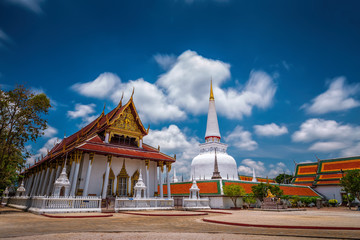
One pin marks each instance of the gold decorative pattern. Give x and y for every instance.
(127, 122)
(168, 166)
(147, 164)
(161, 165)
(91, 157)
(122, 174)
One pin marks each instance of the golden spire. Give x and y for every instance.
(211, 91)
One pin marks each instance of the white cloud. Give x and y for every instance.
(50, 131)
(44, 150)
(184, 88)
(269, 130)
(187, 83)
(329, 136)
(173, 141)
(165, 61)
(102, 87)
(84, 112)
(353, 150)
(327, 146)
(241, 139)
(150, 100)
(187, 86)
(151, 103)
(336, 98)
(32, 5)
(247, 165)
(320, 129)
(81, 110)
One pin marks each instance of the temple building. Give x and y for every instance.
(104, 159)
(324, 175)
(202, 166)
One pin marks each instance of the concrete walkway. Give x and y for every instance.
(23, 225)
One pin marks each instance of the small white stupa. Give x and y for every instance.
(205, 161)
(21, 190)
(194, 191)
(254, 177)
(62, 184)
(140, 188)
(174, 180)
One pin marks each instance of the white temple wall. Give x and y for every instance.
(96, 177)
(83, 171)
(223, 202)
(330, 192)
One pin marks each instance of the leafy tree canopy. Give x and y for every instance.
(284, 178)
(351, 182)
(260, 190)
(21, 120)
(234, 191)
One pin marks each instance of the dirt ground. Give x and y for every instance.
(16, 224)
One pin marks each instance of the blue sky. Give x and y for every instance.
(285, 73)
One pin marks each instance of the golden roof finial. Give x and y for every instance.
(103, 111)
(211, 91)
(133, 92)
(120, 103)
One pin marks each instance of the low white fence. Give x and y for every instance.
(146, 203)
(196, 203)
(18, 202)
(4, 200)
(42, 204)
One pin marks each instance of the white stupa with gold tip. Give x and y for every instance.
(202, 166)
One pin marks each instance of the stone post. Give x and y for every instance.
(88, 173)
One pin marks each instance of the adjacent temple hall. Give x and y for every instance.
(105, 158)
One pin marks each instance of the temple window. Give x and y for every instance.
(122, 140)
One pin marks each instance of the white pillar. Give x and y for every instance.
(106, 180)
(147, 166)
(161, 184)
(107, 135)
(51, 181)
(29, 183)
(75, 177)
(88, 173)
(168, 168)
(32, 192)
(58, 170)
(43, 187)
(72, 169)
(40, 181)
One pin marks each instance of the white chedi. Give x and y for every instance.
(202, 166)
(140, 188)
(62, 184)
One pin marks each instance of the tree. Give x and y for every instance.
(21, 120)
(249, 199)
(284, 178)
(260, 190)
(351, 183)
(234, 192)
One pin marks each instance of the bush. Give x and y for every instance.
(294, 200)
(333, 202)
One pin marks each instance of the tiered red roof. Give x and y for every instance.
(212, 187)
(324, 172)
(88, 139)
(259, 179)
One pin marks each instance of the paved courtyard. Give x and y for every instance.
(16, 224)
